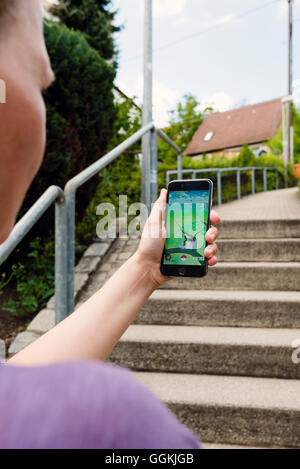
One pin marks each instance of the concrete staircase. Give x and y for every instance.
(219, 350)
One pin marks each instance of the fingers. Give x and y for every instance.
(214, 217)
(211, 251)
(213, 261)
(212, 235)
(163, 196)
(155, 225)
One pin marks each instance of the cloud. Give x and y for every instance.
(165, 8)
(219, 101)
(181, 20)
(283, 7)
(164, 98)
(218, 21)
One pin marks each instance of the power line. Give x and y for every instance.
(206, 30)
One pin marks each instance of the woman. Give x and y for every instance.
(56, 393)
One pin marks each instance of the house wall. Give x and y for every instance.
(233, 152)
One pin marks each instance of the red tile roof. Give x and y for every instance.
(250, 124)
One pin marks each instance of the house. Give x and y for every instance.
(224, 133)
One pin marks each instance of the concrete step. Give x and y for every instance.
(217, 446)
(232, 410)
(222, 308)
(209, 350)
(241, 250)
(244, 276)
(252, 229)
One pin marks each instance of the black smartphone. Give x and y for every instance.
(187, 221)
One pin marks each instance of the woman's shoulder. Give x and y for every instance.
(87, 404)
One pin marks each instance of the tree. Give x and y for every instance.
(122, 176)
(80, 112)
(246, 157)
(296, 122)
(275, 143)
(184, 122)
(94, 19)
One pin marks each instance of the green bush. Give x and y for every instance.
(34, 279)
(296, 124)
(229, 189)
(245, 158)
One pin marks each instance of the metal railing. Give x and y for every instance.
(193, 172)
(65, 202)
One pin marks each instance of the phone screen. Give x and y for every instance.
(186, 226)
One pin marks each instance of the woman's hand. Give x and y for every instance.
(154, 235)
(114, 307)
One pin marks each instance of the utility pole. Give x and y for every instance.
(290, 84)
(147, 105)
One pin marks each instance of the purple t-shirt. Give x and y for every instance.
(84, 405)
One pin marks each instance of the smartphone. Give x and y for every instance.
(187, 221)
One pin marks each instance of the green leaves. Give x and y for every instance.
(246, 157)
(184, 121)
(275, 144)
(80, 113)
(80, 125)
(94, 19)
(123, 176)
(34, 279)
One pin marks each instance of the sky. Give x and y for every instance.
(234, 57)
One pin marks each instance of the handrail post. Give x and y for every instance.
(147, 105)
(219, 187)
(154, 187)
(253, 181)
(238, 183)
(265, 180)
(179, 165)
(70, 207)
(61, 260)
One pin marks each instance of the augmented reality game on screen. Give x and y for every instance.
(186, 227)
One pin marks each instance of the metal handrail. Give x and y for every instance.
(65, 219)
(70, 192)
(51, 195)
(180, 172)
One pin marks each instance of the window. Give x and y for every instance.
(208, 136)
